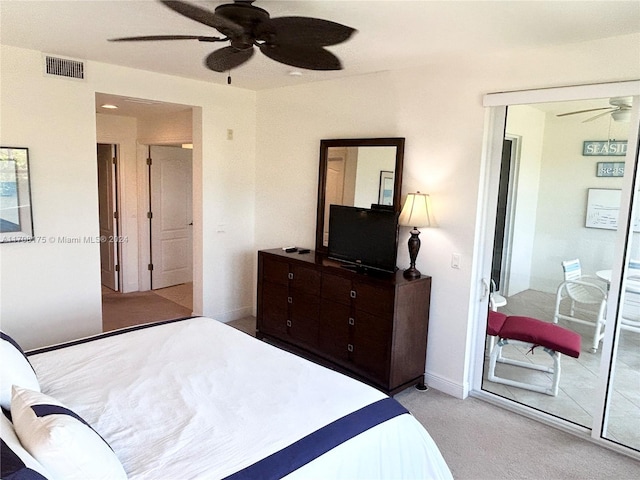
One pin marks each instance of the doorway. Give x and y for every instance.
(569, 204)
(108, 216)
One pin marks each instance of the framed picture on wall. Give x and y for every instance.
(16, 223)
(385, 191)
(603, 209)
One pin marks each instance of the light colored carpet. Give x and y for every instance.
(181, 294)
(125, 309)
(482, 441)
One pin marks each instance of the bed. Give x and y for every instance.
(195, 398)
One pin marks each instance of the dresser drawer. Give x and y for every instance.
(373, 299)
(336, 288)
(275, 271)
(305, 279)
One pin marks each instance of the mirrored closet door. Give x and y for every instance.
(566, 251)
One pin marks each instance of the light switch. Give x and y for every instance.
(455, 260)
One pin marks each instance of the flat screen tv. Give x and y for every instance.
(365, 238)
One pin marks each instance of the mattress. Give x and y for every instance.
(196, 398)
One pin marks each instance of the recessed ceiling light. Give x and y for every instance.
(109, 106)
(295, 73)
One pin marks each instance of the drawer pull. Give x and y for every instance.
(288, 323)
(352, 321)
(289, 300)
(290, 275)
(350, 347)
(352, 294)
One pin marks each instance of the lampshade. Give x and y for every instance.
(417, 211)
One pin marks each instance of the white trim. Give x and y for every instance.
(563, 94)
(509, 222)
(447, 386)
(495, 119)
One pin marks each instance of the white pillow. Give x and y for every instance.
(60, 440)
(16, 370)
(16, 461)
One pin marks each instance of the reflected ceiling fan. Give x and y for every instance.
(620, 110)
(295, 41)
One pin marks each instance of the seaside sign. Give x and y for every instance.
(604, 148)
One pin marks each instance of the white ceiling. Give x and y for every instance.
(391, 34)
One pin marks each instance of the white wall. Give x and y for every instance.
(371, 161)
(565, 177)
(50, 292)
(527, 125)
(438, 108)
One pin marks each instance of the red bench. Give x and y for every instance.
(531, 333)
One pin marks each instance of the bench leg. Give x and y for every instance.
(496, 356)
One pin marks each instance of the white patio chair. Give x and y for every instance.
(588, 300)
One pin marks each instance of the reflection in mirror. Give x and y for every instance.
(359, 173)
(558, 213)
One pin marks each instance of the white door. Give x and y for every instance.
(171, 216)
(107, 214)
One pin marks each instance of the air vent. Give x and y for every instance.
(64, 67)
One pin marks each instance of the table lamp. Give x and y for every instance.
(416, 212)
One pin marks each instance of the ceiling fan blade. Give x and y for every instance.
(599, 115)
(204, 16)
(166, 37)
(584, 111)
(303, 31)
(311, 58)
(227, 58)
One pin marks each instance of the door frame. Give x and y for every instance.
(495, 120)
(144, 223)
(115, 188)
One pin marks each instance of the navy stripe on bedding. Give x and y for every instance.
(12, 342)
(103, 335)
(44, 410)
(312, 446)
(13, 467)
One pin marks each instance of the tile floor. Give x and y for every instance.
(576, 399)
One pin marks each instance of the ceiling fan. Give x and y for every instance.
(295, 41)
(620, 110)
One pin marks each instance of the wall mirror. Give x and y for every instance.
(358, 172)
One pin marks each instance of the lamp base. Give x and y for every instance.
(411, 273)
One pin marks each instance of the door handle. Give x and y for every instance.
(486, 288)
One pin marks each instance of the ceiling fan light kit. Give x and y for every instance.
(619, 109)
(295, 41)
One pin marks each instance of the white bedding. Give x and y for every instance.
(199, 399)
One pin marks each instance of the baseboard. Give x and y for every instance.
(233, 314)
(447, 386)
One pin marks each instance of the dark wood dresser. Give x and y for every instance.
(370, 326)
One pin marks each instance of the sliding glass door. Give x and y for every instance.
(563, 246)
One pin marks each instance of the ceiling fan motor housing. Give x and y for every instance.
(246, 15)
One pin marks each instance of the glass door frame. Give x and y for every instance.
(495, 121)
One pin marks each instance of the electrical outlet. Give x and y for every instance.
(455, 260)
(229, 134)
